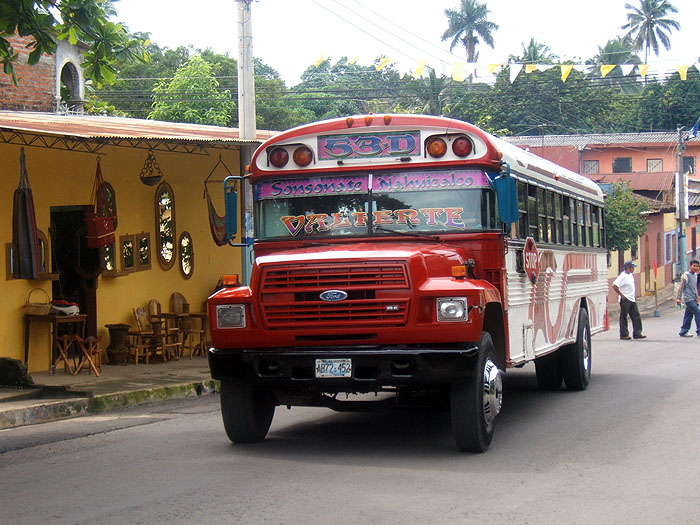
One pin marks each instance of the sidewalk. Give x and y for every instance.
(62, 395)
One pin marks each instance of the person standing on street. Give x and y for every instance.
(624, 287)
(688, 294)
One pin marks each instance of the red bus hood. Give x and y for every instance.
(436, 259)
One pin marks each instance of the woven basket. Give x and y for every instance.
(38, 308)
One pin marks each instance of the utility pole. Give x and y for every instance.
(682, 204)
(246, 125)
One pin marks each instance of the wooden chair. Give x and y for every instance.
(146, 340)
(191, 330)
(172, 344)
(90, 354)
(63, 345)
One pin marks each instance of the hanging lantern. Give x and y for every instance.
(151, 174)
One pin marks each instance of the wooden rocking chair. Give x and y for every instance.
(147, 340)
(172, 345)
(192, 325)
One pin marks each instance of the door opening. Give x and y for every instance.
(77, 265)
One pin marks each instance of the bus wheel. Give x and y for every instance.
(476, 400)
(576, 357)
(247, 412)
(548, 370)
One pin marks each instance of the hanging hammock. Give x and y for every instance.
(25, 241)
(217, 223)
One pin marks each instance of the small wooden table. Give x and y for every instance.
(75, 324)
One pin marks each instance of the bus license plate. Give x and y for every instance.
(333, 367)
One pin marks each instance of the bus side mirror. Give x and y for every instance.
(507, 196)
(231, 207)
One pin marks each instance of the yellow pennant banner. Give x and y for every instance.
(565, 71)
(383, 63)
(605, 69)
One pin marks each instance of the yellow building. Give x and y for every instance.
(162, 241)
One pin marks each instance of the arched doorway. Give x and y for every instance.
(70, 89)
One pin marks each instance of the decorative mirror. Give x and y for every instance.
(186, 255)
(107, 202)
(165, 225)
(109, 259)
(126, 243)
(143, 248)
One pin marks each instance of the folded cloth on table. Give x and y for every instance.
(61, 307)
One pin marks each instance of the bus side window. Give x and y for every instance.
(596, 226)
(567, 220)
(603, 240)
(577, 219)
(558, 218)
(551, 226)
(522, 208)
(589, 226)
(532, 212)
(541, 215)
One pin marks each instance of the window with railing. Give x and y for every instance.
(622, 165)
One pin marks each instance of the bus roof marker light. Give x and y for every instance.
(461, 146)
(302, 156)
(459, 272)
(230, 280)
(368, 120)
(387, 119)
(279, 157)
(436, 147)
(349, 122)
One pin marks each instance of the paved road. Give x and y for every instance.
(624, 451)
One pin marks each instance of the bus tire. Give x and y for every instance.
(576, 357)
(247, 412)
(548, 370)
(476, 400)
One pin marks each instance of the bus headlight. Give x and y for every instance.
(230, 316)
(452, 309)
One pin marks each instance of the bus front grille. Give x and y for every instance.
(291, 296)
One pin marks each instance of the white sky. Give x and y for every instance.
(290, 35)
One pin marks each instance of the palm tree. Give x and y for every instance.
(534, 53)
(616, 51)
(466, 25)
(430, 94)
(648, 25)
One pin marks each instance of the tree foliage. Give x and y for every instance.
(46, 21)
(192, 96)
(624, 215)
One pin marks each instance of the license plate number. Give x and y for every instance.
(333, 367)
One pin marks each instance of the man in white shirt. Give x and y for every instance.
(624, 287)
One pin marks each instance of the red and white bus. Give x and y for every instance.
(414, 256)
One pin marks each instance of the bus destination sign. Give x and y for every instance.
(369, 145)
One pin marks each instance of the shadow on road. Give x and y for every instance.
(536, 427)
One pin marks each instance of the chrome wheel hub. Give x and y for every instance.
(586, 351)
(493, 391)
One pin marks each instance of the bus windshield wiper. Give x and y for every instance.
(409, 234)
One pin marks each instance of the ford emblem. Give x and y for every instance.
(333, 296)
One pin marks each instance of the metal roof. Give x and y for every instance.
(116, 129)
(599, 139)
(660, 181)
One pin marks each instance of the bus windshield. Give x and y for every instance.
(429, 202)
